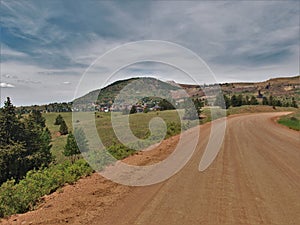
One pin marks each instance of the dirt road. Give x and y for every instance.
(255, 179)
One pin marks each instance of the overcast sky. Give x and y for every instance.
(47, 45)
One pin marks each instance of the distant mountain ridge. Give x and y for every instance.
(274, 86)
(284, 87)
(107, 94)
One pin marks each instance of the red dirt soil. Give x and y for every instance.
(255, 179)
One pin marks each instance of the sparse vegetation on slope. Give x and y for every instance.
(23, 196)
(292, 121)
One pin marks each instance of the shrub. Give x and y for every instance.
(23, 196)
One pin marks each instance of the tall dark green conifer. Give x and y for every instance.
(24, 143)
(63, 129)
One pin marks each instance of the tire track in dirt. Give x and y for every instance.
(253, 180)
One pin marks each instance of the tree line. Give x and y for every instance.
(24, 143)
(225, 102)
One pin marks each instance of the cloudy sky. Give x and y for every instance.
(47, 45)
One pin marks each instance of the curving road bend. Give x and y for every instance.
(255, 179)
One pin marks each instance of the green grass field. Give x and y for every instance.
(139, 124)
(292, 121)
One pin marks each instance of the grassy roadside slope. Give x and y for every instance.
(15, 198)
(292, 121)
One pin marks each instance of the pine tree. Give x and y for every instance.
(239, 100)
(271, 101)
(24, 143)
(222, 101)
(133, 110)
(234, 101)
(37, 117)
(294, 103)
(253, 101)
(71, 148)
(12, 162)
(63, 129)
(9, 124)
(58, 120)
(265, 101)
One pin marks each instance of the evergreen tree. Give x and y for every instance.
(253, 101)
(234, 101)
(12, 161)
(133, 110)
(271, 101)
(294, 103)
(37, 117)
(265, 101)
(278, 103)
(63, 129)
(24, 143)
(165, 105)
(239, 100)
(198, 105)
(9, 124)
(58, 120)
(227, 101)
(71, 148)
(247, 100)
(222, 101)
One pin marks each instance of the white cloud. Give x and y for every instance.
(6, 85)
(47, 45)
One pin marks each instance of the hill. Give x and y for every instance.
(282, 88)
(107, 95)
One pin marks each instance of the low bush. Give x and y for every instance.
(23, 196)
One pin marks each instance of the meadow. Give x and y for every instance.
(292, 120)
(139, 124)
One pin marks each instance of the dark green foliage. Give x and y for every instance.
(198, 105)
(236, 100)
(233, 101)
(37, 118)
(71, 147)
(76, 144)
(173, 128)
(12, 161)
(24, 143)
(165, 105)
(23, 196)
(271, 101)
(63, 129)
(58, 120)
(133, 110)
(239, 100)
(246, 101)
(278, 103)
(222, 101)
(119, 151)
(265, 101)
(253, 101)
(294, 103)
(10, 126)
